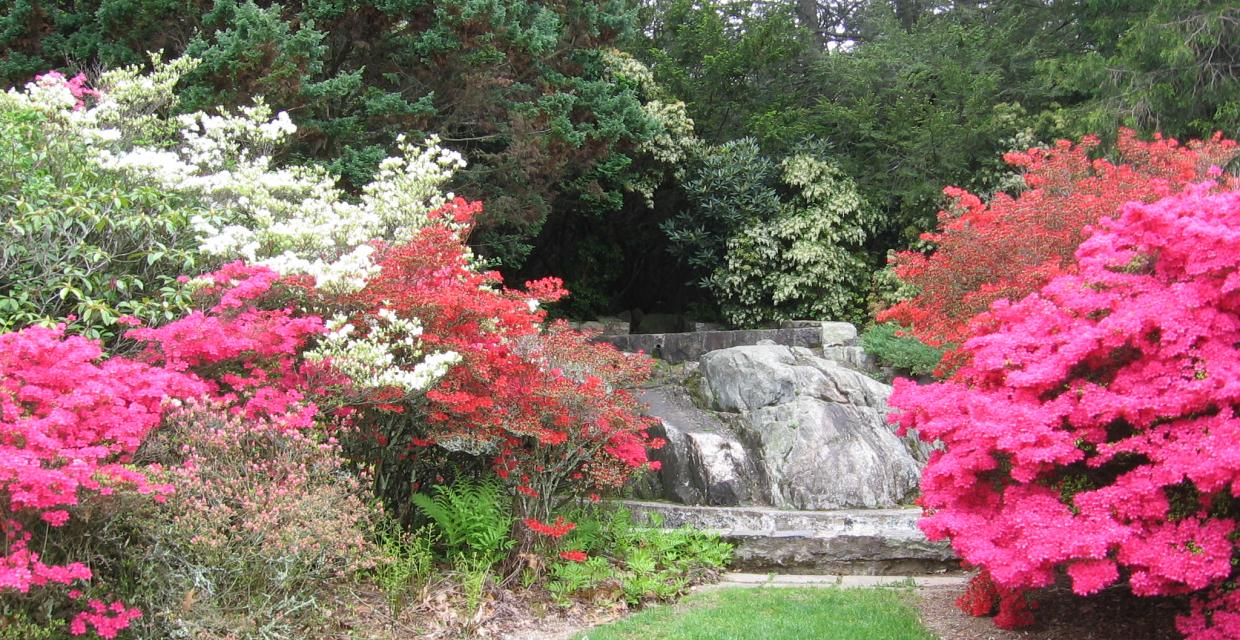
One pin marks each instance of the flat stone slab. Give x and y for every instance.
(681, 347)
(873, 542)
(756, 580)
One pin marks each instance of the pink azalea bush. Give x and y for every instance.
(69, 422)
(1094, 429)
(246, 347)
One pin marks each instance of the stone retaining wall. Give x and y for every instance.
(681, 347)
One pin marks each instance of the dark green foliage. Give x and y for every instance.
(927, 94)
(732, 65)
(519, 87)
(905, 353)
(1155, 65)
(731, 189)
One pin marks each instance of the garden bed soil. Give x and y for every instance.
(1114, 614)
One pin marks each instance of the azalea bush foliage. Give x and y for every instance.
(260, 519)
(1092, 429)
(69, 425)
(545, 407)
(326, 316)
(1010, 246)
(74, 419)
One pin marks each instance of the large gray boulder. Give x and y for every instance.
(830, 455)
(704, 461)
(742, 379)
(783, 427)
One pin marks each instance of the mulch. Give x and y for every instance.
(1114, 614)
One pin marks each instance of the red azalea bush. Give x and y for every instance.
(1009, 247)
(1093, 429)
(547, 407)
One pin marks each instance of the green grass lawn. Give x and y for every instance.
(774, 614)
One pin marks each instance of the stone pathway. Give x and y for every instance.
(759, 580)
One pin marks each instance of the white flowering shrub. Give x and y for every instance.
(375, 360)
(293, 219)
(78, 242)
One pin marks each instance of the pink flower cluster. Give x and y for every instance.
(68, 423)
(1095, 428)
(76, 85)
(71, 419)
(107, 620)
(248, 355)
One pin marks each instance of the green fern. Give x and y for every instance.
(472, 519)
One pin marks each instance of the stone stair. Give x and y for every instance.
(877, 542)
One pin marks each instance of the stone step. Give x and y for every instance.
(846, 541)
(759, 580)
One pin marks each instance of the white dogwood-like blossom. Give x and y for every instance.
(374, 361)
(291, 219)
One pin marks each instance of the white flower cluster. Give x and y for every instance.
(48, 94)
(291, 219)
(381, 359)
(245, 206)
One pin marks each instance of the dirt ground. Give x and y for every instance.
(1113, 614)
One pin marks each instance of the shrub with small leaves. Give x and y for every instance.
(1093, 429)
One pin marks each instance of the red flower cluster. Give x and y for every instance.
(982, 597)
(1094, 427)
(556, 529)
(550, 402)
(1009, 247)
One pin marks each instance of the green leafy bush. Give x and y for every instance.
(775, 240)
(806, 261)
(631, 563)
(78, 240)
(472, 518)
(904, 352)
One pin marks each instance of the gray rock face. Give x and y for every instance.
(703, 462)
(838, 334)
(783, 428)
(826, 455)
